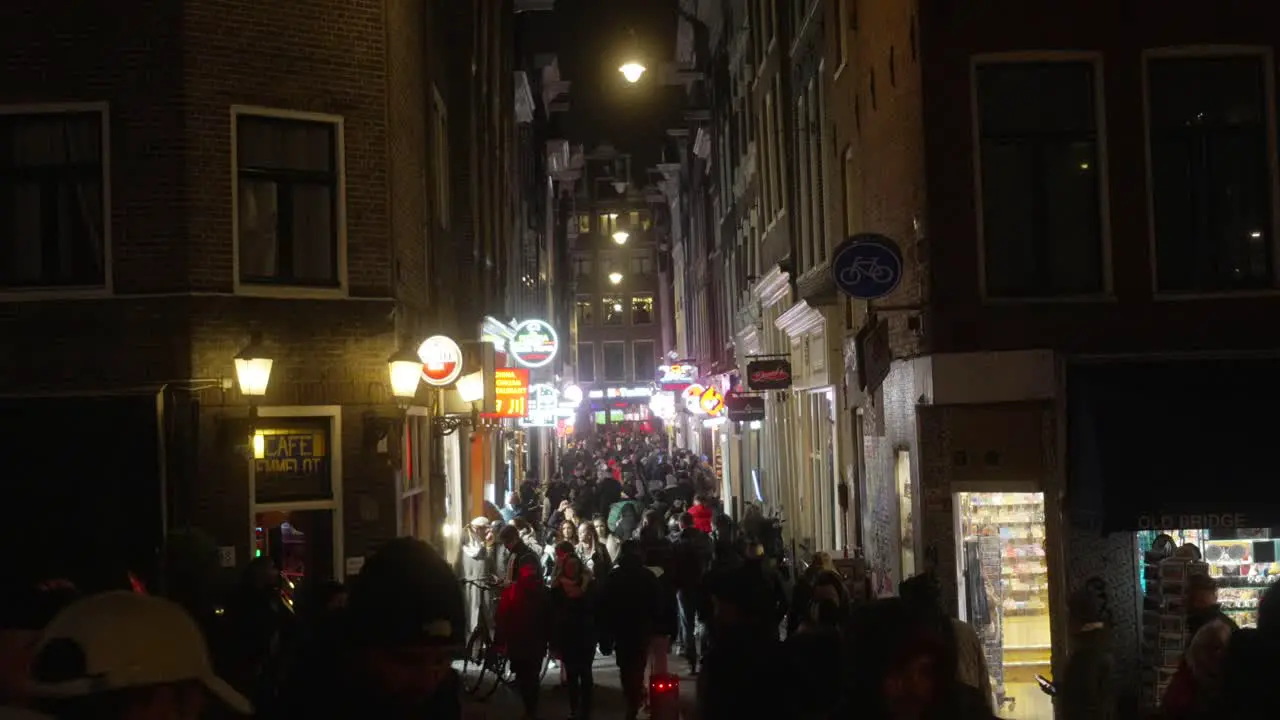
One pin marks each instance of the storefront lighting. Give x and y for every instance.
(615, 278)
(449, 530)
(259, 446)
(632, 72)
(405, 370)
(621, 237)
(253, 368)
(471, 387)
(572, 395)
(756, 425)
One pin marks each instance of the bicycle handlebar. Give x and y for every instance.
(482, 584)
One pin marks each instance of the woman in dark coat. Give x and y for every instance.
(573, 632)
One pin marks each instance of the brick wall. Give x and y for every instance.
(889, 424)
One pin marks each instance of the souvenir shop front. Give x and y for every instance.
(1177, 462)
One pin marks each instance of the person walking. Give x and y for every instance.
(521, 618)
(573, 633)
(629, 608)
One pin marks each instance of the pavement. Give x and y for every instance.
(608, 702)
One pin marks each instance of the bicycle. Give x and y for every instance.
(482, 654)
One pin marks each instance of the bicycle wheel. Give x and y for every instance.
(498, 667)
(474, 662)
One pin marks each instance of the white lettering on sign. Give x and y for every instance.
(1192, 521)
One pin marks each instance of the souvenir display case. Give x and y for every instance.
(1004, 593)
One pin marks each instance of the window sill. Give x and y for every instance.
(1217, 295)
(291, 292)
(38, 294)
(1051, 300)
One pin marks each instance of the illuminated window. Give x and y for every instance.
(584, 223)
(586, 311)
(614, 310)
(582, 266)
(615, 360)
(642, 310)
(608, 223)
(634, 218)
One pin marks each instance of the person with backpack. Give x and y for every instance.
(694, 552)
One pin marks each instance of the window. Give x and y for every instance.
(614, 312)
(52, 208)
(287, 197)
(767, 159)
(615, 360)
(646, 220)
(1210, 174)
(608, 223)
(582, 266)
(584, 223)
(779, 164)
(803, 158)
(644, 364)
(642, 310)
(820, 201)
(586, 362)
(586, 311)
(641, 265)
(415, 467)
(1040, 180)
(440, 144)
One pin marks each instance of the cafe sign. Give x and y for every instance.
(533, 343)
(441, 360)
(769, 374)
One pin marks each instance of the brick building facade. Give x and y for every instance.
(311, 173)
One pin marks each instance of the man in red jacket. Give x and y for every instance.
(701, 514)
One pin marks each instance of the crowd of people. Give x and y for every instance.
(626, 553)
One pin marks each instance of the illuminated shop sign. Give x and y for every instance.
(621, 393)
(677, 376)
(441, 360)
(531, 343)
(702, 400)
(510, 393)
(544, 406)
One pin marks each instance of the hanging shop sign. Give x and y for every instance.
(663, 405)
(769, 374)
(533, 343)
(510, 393)
(441, 360)
(571, 397)
(745, 408)
(711, 402)
(544, 406)
(677, 376)
(867, 266)
(875, 357)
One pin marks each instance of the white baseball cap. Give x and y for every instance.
(119, 640)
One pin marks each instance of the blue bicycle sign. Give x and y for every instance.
(867, 266)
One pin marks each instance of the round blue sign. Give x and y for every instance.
(867, 266)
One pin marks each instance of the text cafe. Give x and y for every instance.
(1195, 490)
(292, 475)
(619, 404)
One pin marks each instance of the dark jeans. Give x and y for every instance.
(689, 624)
(577, 670)
(528, 682)
(631, 664)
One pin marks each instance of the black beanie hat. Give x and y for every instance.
(405, 595)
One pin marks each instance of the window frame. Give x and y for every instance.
(1266, 56)
(442, 198)
(653, 360)
(590, 347)
(604, 369)
(643, 259)
(1094, 58)
(625, 313)
(578, 303)
(341, 289)
(79, 292)
(631, 308)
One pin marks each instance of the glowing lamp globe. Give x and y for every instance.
(253, 369)
(632, 71)
(405, 370)
(621, 236)
(615, 277)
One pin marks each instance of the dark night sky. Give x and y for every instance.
(594, 38)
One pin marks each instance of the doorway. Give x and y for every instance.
(1003, 591)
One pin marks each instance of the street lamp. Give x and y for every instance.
(632, 72)
(621, 236)
(615, 277)
(253, 369)
(405, 370)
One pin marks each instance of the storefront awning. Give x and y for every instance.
(1185, 444)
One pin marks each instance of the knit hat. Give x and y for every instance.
(406, 595)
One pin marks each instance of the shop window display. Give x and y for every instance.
(1004, 594)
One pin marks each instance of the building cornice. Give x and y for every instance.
(801, 319)
(771, 288)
